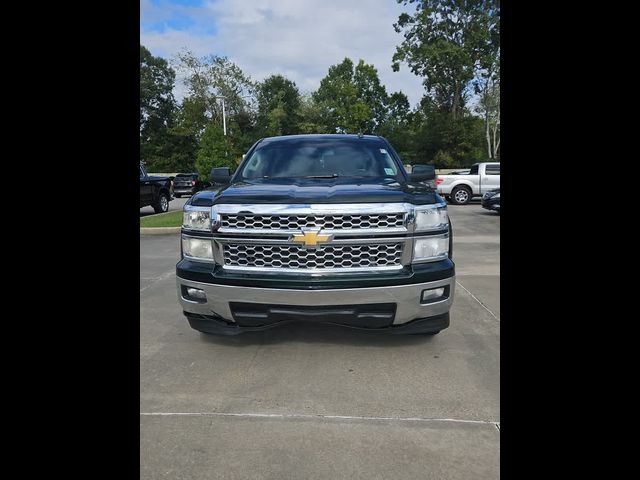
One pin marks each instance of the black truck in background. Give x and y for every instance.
(155, 191)
(188, 184)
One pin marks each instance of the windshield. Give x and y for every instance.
(326, 158)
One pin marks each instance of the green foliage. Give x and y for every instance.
(449, 43)
(461, 138)
(215, 150)
(351, 100)
(443, 159)
(278, 105)
(157, 110)
(170, 219)
(211, 77)
(156, 92)
(457, 57)
(397, 127)
(311, 118)
(192, 117)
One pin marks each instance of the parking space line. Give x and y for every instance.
(155, 280)
(477, 300)
(309, 416)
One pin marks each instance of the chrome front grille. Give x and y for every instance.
(296, 222)
(366, 256)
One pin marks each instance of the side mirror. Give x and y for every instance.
(221, 175)
(423, 173)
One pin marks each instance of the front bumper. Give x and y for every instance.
(491, 204)
(216, 311)
(184, 190)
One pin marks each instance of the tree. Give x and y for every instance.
(371, 92)
(311, 116)
(397, 125)
(156, 91)
(449, 43)
(215, 150)
(278, 105)
(207, 79)
(352, 100)
(213, 76)
(489, 107)
(447, 142)
(157, 109)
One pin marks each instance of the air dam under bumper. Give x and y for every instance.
(216, 314)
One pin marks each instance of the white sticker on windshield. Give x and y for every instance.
(388, 171)
(383, 151)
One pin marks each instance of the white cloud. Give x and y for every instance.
(298, 39)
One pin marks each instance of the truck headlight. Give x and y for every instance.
(429, 249)
(198, 248)
(197, 219)
(431, 217)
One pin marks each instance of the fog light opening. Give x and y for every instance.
(434, 294)
(194, 294)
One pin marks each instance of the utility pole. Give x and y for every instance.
(224, 115)
(224, 119)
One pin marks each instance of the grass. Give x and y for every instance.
(171, 219)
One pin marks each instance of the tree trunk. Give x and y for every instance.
(488, 132)
(456, 102)
(486, 120)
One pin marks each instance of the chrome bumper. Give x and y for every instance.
(407, 298)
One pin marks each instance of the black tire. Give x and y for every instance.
(177, 195)
(162, 206)
(461, 195)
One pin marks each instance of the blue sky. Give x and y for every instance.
(296, 38)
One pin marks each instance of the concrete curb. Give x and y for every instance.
(159, 230)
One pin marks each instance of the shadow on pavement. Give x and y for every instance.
(318, 333)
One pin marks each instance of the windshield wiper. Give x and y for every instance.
(333, 175)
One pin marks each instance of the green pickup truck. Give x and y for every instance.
(317, 228)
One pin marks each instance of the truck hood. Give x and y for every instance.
(312, 190)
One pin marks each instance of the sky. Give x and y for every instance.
(299, 39)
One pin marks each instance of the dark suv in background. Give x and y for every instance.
(188, 184)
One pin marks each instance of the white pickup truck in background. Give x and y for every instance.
(460, 189)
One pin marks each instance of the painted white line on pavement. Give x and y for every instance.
(304, 415)
(476, 299)
(157, 279)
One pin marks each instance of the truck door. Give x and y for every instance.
(146, 192)
(491, 177)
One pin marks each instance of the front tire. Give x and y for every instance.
(460, 196)
(163, 204)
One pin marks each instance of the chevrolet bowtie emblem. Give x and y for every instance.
(310, 238)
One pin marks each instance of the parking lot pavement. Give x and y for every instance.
(313, 401)
(175, 204)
